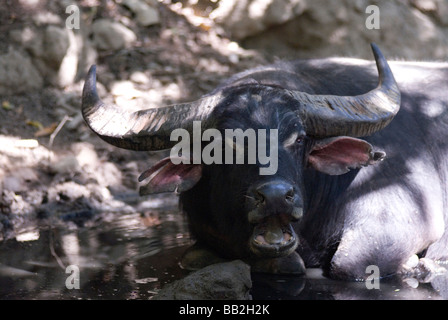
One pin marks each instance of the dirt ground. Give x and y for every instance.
(53, 169)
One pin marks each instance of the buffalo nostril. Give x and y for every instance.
(260, 197)
(275, 193)
(289, 197)
(274, 198)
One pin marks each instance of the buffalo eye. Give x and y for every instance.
(295, 139)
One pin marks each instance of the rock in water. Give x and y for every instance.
(220, 281)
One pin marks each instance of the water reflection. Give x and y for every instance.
(271, 287)
(131, 256)
(111, 257)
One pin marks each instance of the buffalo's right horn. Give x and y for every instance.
(148, 129)
(356, 116)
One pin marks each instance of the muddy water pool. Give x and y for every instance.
(130, 256)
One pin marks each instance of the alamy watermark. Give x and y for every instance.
(373, 20)
(373, 280)
(72, 281)
(233, 143)
(73, 20)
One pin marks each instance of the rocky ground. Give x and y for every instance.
(52, 167)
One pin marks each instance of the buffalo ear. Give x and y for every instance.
(165, 176)
(338, 155)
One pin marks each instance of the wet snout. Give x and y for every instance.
(272, 207)
(274, 198)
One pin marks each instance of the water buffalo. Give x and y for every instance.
(335, 199)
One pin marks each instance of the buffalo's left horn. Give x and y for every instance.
(356, 116)
(148, 129)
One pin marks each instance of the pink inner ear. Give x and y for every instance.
(170, 177)
(147, 173)
(340, 154)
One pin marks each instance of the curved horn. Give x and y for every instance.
(356, 116)
(148, 129)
